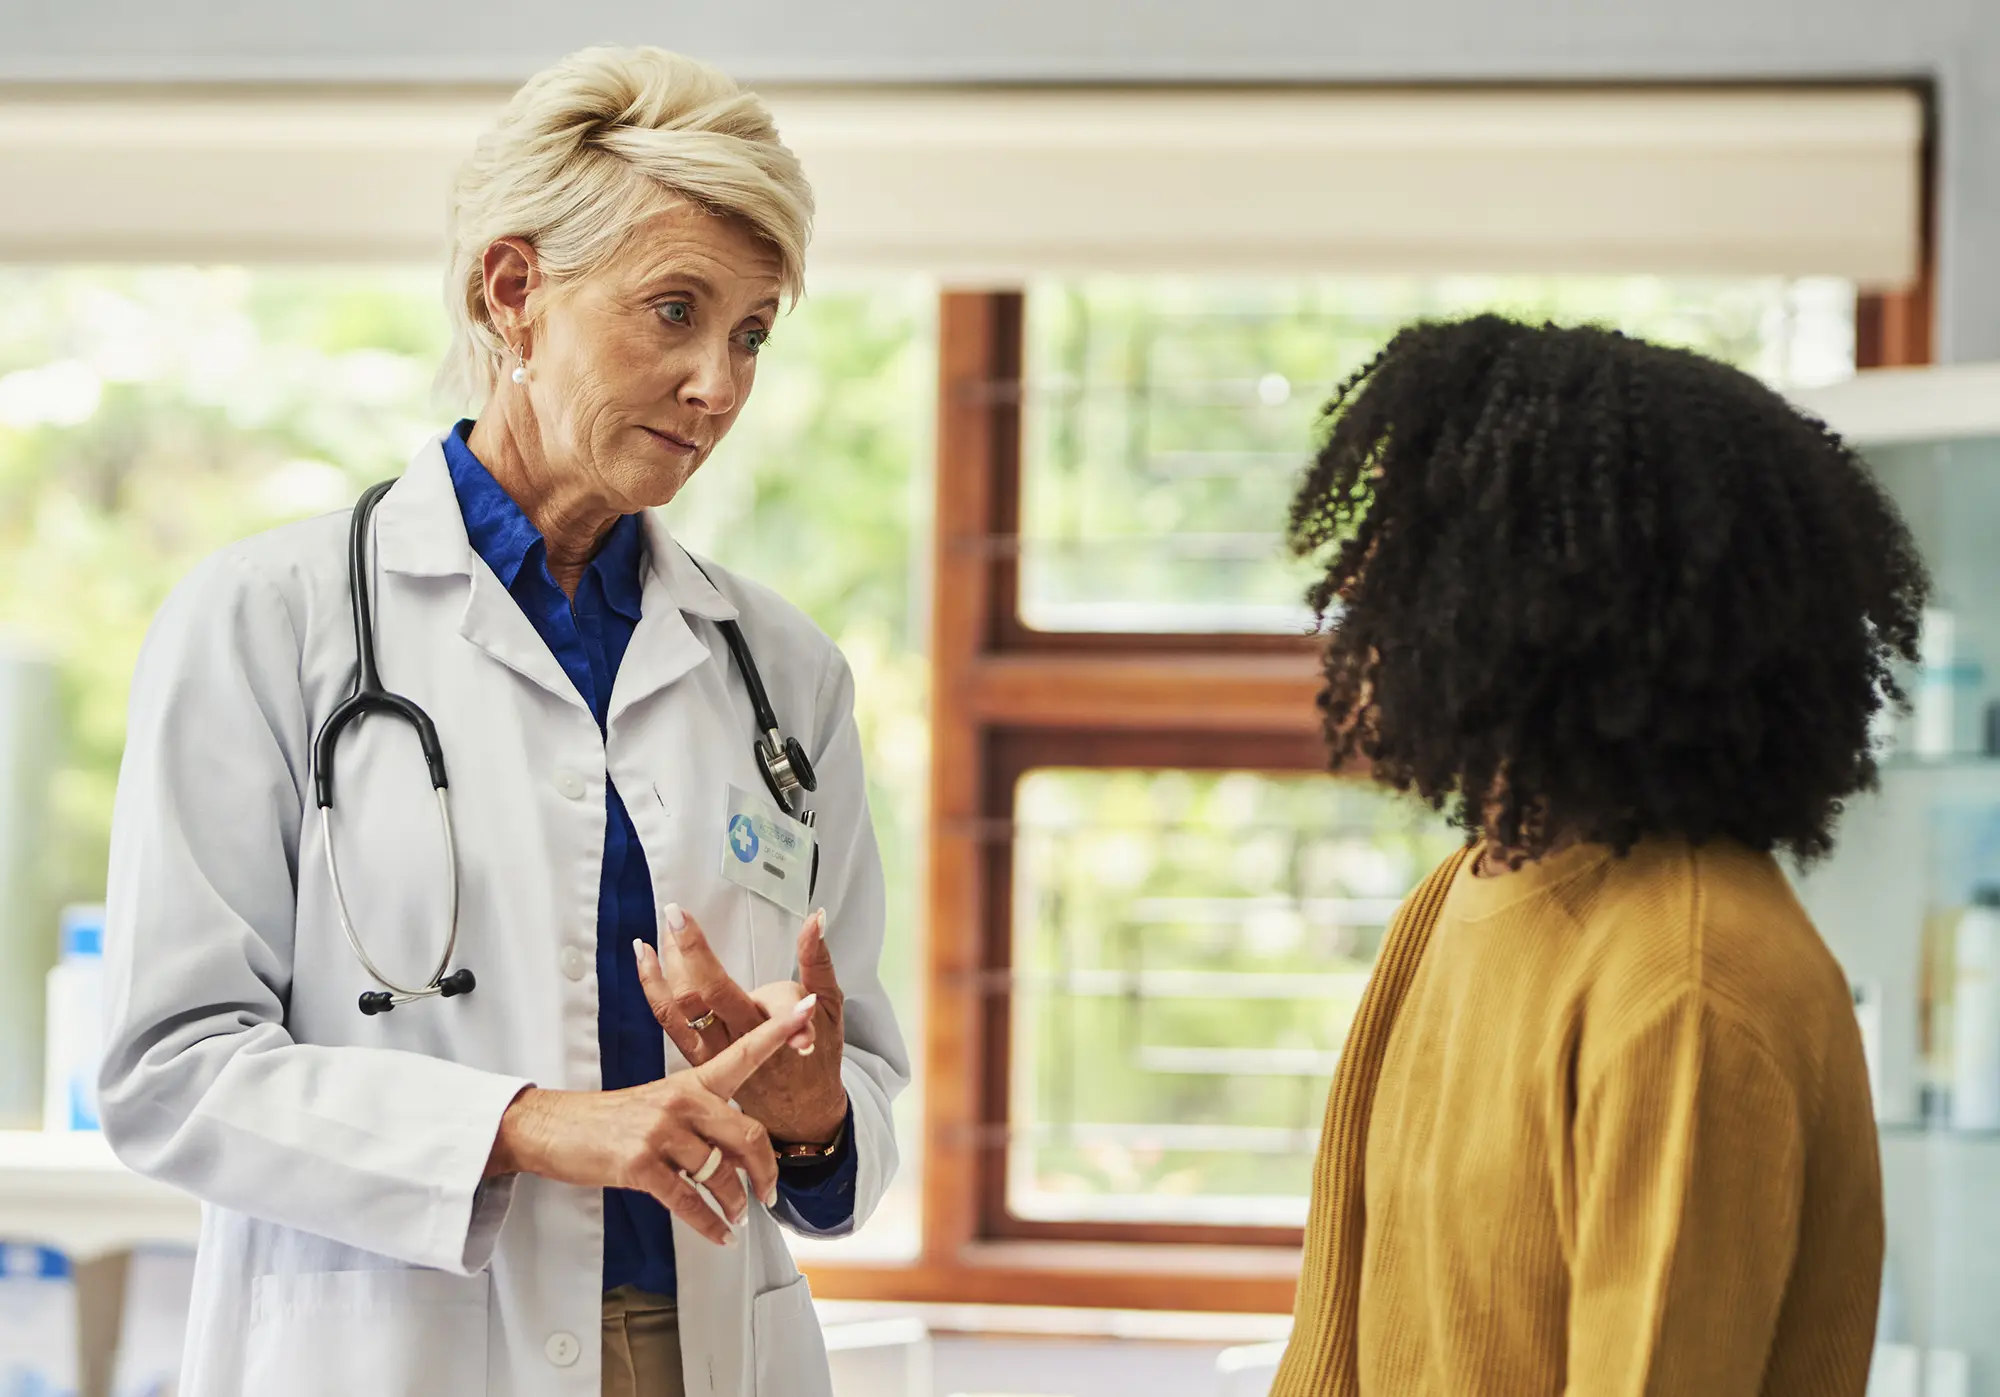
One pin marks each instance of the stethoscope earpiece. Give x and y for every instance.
(460, 981)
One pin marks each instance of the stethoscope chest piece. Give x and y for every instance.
(787, 771)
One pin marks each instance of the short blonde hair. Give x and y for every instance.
(585, 151)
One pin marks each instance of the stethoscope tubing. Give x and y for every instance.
(370, 697)
(786, 770)
(399, 994)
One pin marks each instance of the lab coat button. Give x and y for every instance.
(562, 1349)
(570, 784)
(574, 963)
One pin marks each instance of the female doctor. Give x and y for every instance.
(396, 1017)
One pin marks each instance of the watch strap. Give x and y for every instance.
(811, 1154)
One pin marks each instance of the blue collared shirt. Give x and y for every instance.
(588, 635)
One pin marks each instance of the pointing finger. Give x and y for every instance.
(777, 999)
(726, 1072)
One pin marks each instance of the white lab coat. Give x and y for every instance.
(348, 1244)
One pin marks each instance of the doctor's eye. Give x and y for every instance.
(676, 312)
(754, 339)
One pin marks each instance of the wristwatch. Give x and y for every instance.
(810, 1154)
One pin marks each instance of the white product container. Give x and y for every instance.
(38, 1323)
(75, 1023)
(1945, 718)
(1947, 1373)
(1975, 1056)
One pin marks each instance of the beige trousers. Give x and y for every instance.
(642, 1345)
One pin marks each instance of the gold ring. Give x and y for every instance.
(707, 1170)
(704, 1023)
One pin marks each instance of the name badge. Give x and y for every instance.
(767, 851)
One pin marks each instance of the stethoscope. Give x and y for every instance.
(787, 772)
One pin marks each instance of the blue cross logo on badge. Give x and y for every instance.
(742, 839)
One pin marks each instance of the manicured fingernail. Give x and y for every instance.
(729, 1239)
(672, 915)
(807, 1050)
(804, 1008)
(639, 949)
(771, 1196)
(819, 922)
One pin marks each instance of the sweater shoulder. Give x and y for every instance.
(1716, 925)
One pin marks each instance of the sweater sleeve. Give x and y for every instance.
(1688, 1176)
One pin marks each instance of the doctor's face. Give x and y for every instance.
(638, 370)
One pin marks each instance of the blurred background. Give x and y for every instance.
(1084, 279)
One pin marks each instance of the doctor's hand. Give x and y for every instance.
(657, 1137)
(797, 1095)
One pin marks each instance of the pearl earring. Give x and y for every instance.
(520, 374)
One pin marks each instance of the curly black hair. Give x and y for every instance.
(1583, 587)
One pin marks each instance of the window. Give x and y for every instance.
(1165, 419)
(1189, 945)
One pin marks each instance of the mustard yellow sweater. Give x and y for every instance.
(1603, 1132)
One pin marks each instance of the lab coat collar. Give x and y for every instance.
(419, 532)
(686, 587)
(664, 646)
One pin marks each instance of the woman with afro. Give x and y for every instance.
(1602, 1124)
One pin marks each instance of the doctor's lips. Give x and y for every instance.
(673, 441)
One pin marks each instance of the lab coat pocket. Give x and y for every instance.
(389, 1333)
(791, 1352)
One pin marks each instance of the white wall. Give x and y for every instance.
(1955, 43)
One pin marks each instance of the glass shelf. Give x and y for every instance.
(1944, 1134)
(1956, 761)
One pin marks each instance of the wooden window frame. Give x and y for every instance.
(1898, 329)
(1006, 698)
(1000, 695)
(1010, 754)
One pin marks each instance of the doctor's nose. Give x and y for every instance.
(708, 384)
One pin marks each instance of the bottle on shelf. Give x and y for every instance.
(1937, 973)
(38, 1322)
(1946, 720)
(1975, 1049)
(75, 1023)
